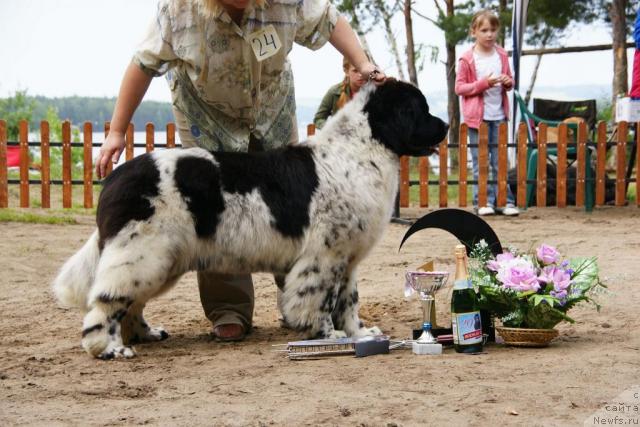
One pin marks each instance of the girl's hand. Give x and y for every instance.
(109, 152)
(370, 72)
(494, 80)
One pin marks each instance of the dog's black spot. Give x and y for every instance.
(399, 118)
(198, 181)
(136, 283)
(109, 299)
(286, 178)
(112, 329)
(107, 356)
(125, 196)
(164, 335)
(133, 236)
(354, 297)
(374, 165)
(118, 315)
(90, 329)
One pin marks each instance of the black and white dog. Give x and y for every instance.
(310, 212)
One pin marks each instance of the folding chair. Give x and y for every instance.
(553, 112)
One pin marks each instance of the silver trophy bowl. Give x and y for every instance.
(426, 283)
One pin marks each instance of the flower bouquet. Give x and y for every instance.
(532, 290)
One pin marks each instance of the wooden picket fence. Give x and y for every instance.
(443, 182)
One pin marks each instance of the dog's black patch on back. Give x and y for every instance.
(286, 178)
(125, 196)
(198, 180)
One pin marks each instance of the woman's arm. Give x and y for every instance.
(344, 39)
(132, 89)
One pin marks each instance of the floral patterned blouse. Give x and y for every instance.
(215, 78)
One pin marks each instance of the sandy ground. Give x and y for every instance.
(189, 379)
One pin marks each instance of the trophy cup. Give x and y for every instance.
(426, 283)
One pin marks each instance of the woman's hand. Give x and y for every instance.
(370, 72)
(109, 152)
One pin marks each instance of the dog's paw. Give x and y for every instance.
(337, 334)
(117, 353)
(367, 332)
(150, 335)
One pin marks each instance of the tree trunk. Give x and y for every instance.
(534, 76)
(503, 28)
(453, 103)
(411, 52)
(618, 24)
(391, 39)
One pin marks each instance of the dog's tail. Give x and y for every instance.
(71, 286)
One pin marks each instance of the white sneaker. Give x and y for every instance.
(510, 210)
(486, 210)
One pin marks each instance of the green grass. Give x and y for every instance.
(14, 215)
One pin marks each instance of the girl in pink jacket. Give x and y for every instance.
(483, 79)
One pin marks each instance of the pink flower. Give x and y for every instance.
(503, 258)
(518, 274)
(560, 278)
(547, 254)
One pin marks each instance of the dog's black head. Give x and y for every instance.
(399, 118)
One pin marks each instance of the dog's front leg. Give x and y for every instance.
(136, 330)
(345, 314)
(309, 298)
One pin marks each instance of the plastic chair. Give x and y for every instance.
(532, 120)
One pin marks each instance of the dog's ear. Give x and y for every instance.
(399, 118)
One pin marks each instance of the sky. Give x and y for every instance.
(82, 47)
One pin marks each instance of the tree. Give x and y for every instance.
(15, 108)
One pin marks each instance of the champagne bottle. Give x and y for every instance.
(465, 315)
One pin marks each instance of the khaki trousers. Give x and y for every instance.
(225, 298)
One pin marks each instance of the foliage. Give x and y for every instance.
(16, 108)
(532, 290)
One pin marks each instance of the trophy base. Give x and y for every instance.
(419, 348)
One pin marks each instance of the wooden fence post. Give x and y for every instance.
(66, 164)
(638, 164)
(621, 155)
(541, 185)
(522, 166)
(150, 143)
(404, 181)
(462, 173)
(171, 135)
(600, 165)
(423, 165)
(45, 172)
(444, 172)
(501, 198)
(24, 164)
(88, 165)
(561, 176)
(581, 163)
(4, 179)
(483, 164)
(128, 143)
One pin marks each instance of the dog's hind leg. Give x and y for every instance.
(345, 314)
(310, 295)
(127, 277)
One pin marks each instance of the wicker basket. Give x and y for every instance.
(522, 337)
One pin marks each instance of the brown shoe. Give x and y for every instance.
(229, 332)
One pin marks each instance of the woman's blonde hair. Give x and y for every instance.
(212, 7)
(484, 15)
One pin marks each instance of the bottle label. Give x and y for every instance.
(462, 284)
(467, 328)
